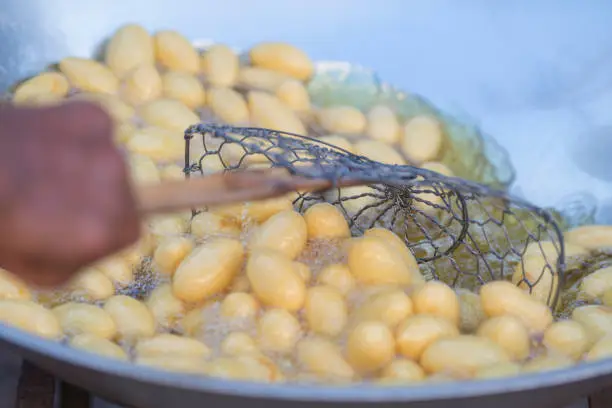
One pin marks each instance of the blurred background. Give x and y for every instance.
(536, 75)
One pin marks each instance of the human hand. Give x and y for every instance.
(65, 198)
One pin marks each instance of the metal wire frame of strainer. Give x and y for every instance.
(460, 232)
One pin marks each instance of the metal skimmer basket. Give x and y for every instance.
(460, 232)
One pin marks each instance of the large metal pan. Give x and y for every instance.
(34, 33)
(131, 385)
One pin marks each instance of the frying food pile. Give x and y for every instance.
(272, 292)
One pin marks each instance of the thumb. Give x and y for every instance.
(84, 119)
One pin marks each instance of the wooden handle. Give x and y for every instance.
(227, 188)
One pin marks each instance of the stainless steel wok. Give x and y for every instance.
(536, 75)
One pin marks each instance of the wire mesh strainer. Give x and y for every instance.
(460, 232)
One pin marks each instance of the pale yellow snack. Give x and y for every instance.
(260, 79)
(539, 268)
(437, 299)
(170, 252)
(165, 306)
(179, 364)
(378, 151)
(143, 170)
(430, 197)
(42, 100)
(130, 47)
(256, 211)
(124, 132)
(339, 141)
(169, 114)
(303, 270)
(602, 349)
(322, 357)
(541, 273)
(403, 370)
(500, 370)
(192, 323)
(422, 139)
(382, 125)
(228, 105)
(595, 284)
(325, 310)
(354, 199)
(294, 94)
(220, 65)
(207, 224)
(278, 331)
(510, 333)
(175, 52)
(416, 333)
(208, 270)
(239, 305)
(550, 250)
(144, 247)
(285, 232)
(471, 313)
(388, 306)
(132, 318)
(590, 237)
(142, 84)
(339, 276)
(12, 287)
(268, 111)
(427, 198)
(172, 172)
(370, 346)
(239, 343)
(166, 344)
(324, 221)
(117, 269)
(184, 87)
(161, 226)
(97, 345)
(46, 83)
(606, 298)
(372, 261)
(78, 318)
(547, 362)
(275, 281)
(440, 378)
(89, 75)
(462, 355)
(114, 106)
(500, 298)
(400, 247)
(282, 57)
(30, 317)
(596, 320)
(342, 120)
(232, 154)
(369, 291)
(249, 368)
(438, 167)
(566, 337)
(92, 284)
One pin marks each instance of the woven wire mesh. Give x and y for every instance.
(460, 232)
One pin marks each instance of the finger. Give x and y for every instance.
(85, 120)
(112, 193)
(48, 278)
(39, 273)
(74, 120)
